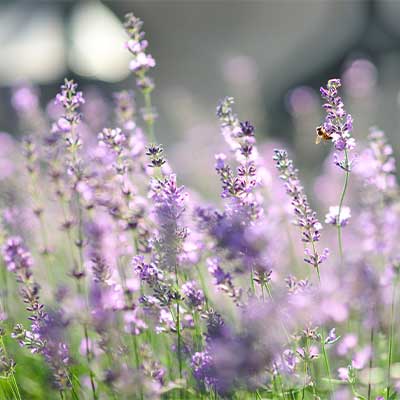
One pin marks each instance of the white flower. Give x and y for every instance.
(332, 217)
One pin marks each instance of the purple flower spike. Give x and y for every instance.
(306, 218)
(338, 123)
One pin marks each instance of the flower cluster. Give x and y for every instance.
(40, 339)
(125, 109)
(137, 46)
(379, 189)
(338, 123)
(306, 218)
(150, 293)
(70, 99)
(113, 139)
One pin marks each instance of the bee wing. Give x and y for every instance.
(318, 139)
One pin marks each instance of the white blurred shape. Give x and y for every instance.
(35, 50)
(98, 43)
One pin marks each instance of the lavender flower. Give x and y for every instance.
(70, 99)
(338, 123)
(125, 110)
(42, 338)
(169, 206)
(137, 45)
(203, 368)
(240, 186)
(306, 218)
(379, 216)
(332, 217)
(140, 65)
(223, 280)
(113, 139)
(144, 257)
(16, 257)
(194, 296)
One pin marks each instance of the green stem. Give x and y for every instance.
(390, 351)
(346, 182)
(178, 329)
(370, 364)
(326, 360)
(13, 384)
(252, 286)
(5, 289)
(12, 389)
(149, 119)
(203, 284)
(324, 352)
(178, 332)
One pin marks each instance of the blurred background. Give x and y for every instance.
(272, 56)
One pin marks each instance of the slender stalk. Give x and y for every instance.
(149, 118)
(38, 211)
(73, 392)
(324, 352)
(178, 332)
(252, 286)
(203, 284)
(11, 380)
(4, 290)
(12, 389)
(391, 332)
(14, 382)
(83, 292)
(345, 185)
(326, 360)
(371, 341)
(305, 379)
(178, 329)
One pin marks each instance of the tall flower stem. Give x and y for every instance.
(371, 341)
(149, 117)
(4, 291)
(326, 360)
(178, 326)
(391, 332)
(11, 380)
(324, 352)
(82, 291)
(342, 196)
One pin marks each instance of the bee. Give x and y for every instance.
(322, 134)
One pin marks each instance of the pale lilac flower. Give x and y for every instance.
(332, 337)
(348, 342)
(343, 374)
(141, 61)
(332, 217)
(112, 139)
(361, 358)
(133, 324)
(290, 361)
